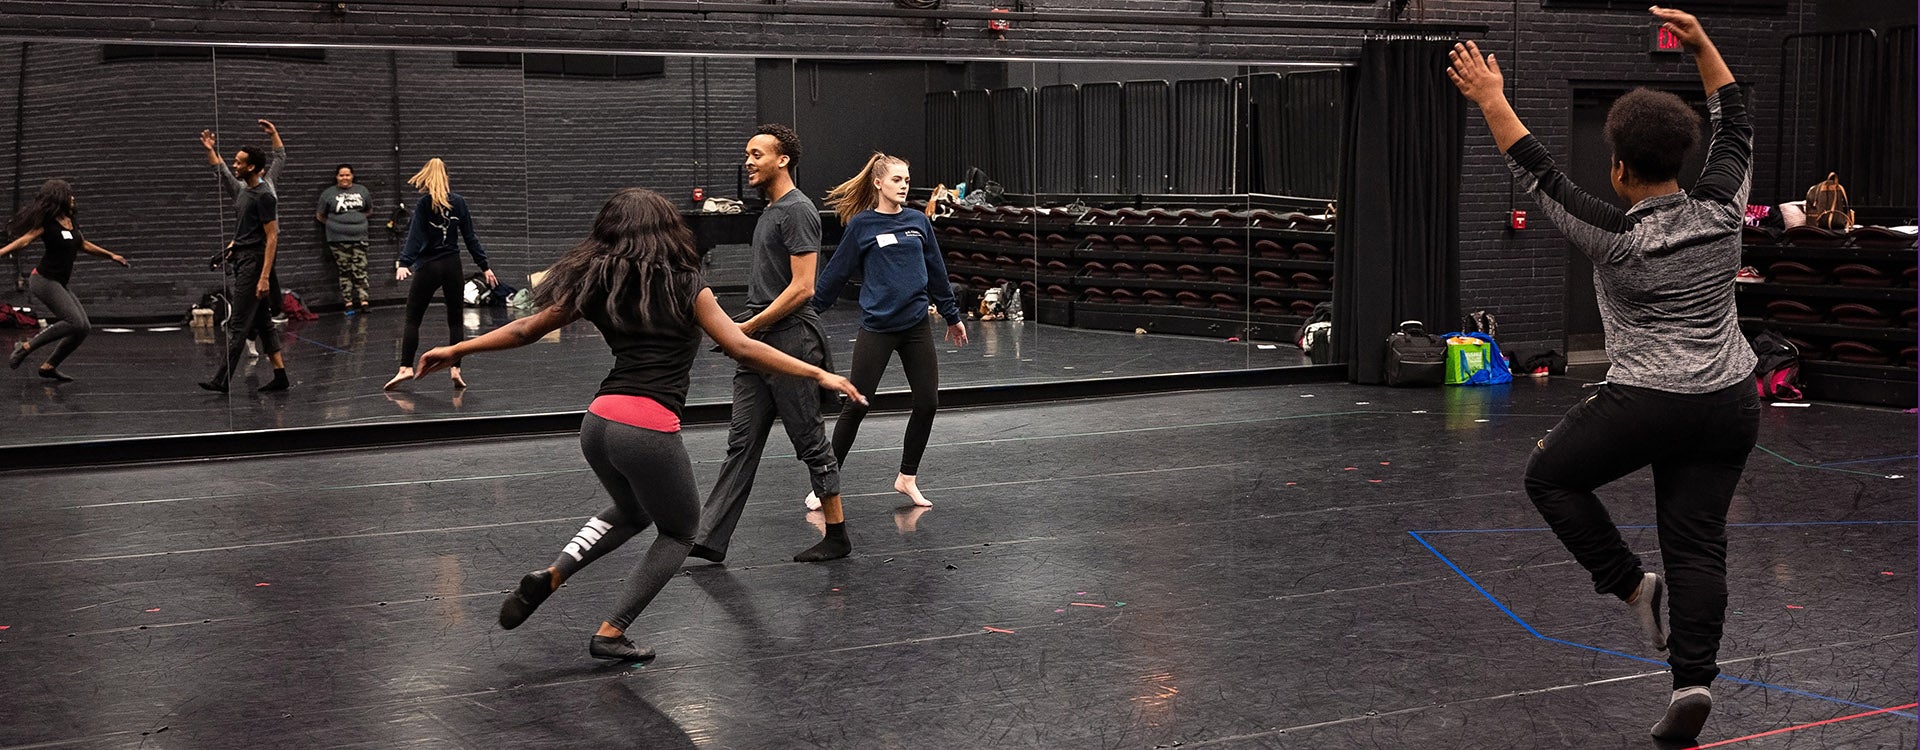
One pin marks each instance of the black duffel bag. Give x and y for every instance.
(1415, 357)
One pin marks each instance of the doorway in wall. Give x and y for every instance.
(1589, 168)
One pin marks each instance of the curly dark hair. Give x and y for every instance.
(789, 141)
(1652, 132)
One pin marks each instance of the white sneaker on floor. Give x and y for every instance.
(812, 501)
(1686, 714)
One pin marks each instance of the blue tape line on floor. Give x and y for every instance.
(323, 346)
(1536, 633)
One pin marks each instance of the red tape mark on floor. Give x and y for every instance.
(1799, 727)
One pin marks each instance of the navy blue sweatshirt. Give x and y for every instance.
(435, 234)
(902, 268)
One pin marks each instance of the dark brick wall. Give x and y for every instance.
(1547, 53)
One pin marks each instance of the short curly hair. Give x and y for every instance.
(1652, 132)
(789, 141)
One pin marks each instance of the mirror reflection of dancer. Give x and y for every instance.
(902, 268)
(251, 284)
(786, 249)
(50, 218)
(344, 208)
(636, 278)
(431, 258)
(1680, 395)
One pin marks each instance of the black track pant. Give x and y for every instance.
(443, 275)
(651, 481)
(1697, 445)
(250, 315)
(871, 352)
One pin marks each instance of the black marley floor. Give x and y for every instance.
(141, 381)
(1325, 566)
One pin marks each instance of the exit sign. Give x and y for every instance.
(1664, 41)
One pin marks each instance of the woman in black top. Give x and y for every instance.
(431, 257)
(50, 218)
(636, 278)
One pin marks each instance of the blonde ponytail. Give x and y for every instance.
(859, 194)
(432, 180)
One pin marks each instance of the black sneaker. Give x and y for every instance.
(526, 597)
(54, 374)
(215, 386)
(617, 648)
(1686, 714)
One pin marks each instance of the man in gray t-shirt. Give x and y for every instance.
(786, 248)
(344, 207)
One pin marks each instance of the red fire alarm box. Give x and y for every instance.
(1517, 219)
(999, 24)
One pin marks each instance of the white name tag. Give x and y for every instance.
(66, 234)
(887, 239)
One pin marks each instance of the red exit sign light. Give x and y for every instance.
(1665, 42)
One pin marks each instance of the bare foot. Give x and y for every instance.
(458, 382)
(405, 374)
(909, 485)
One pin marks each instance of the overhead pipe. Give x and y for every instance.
(1146, 18)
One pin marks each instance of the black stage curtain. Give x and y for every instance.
(1398, 233)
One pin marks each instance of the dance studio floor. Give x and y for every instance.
(1325, 566)
(141, 382)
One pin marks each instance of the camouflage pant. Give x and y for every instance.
(351, 259)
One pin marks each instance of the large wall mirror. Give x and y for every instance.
(1118, 219)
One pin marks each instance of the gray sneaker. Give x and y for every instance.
(1686, 714)
(1647, 603)
(19, 355)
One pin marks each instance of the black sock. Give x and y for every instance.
(279, 380)
(833, 547)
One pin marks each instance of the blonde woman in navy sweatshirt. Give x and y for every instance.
(902, 271)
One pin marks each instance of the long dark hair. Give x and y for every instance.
(54, 200)
(638, 262)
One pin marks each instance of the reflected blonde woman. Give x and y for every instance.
(431, 258)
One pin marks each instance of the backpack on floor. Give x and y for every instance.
(293, 308)
(1415, 357)
(1315, 337)
(1777, 374)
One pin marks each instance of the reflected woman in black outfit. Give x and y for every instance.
(431, 258)
(50, 218)
(636, 278)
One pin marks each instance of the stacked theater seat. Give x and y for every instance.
(1846, 299)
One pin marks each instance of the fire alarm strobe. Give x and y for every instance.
(1517, 219)
(999, 24)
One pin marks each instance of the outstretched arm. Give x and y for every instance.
(1726, 177)
(21, 241)
(510, 336)
(88, 246)
(757, 355)
(1480, 80)
(1589, 223)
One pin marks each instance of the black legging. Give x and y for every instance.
(441, 275)
(651, 481)
(871, 351)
